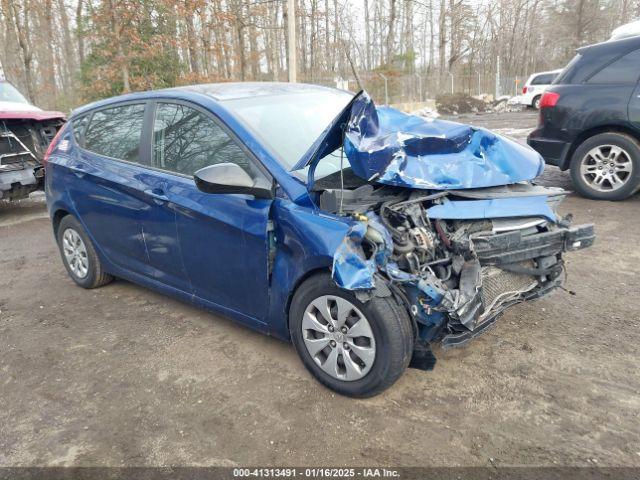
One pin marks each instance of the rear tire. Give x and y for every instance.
(378, 330)
(536, 102)
(607, 167)
(79, 255)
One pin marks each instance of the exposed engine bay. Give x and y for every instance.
(23, 143)
(455, 259)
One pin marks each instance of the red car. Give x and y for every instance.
(25, 134)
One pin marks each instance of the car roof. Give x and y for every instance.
(546, 73)
(237, 90)
(611, 47)
(534, 75)
(219, 92)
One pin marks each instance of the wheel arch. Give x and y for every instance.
(398, 296)
(303, 278)
(587, 134)
(57, 217)
(533, 100)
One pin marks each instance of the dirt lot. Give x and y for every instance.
(124, 376)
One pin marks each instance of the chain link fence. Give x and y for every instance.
(410, 88)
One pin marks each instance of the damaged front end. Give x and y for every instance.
(24, 138)
(456, 275)
(444, 217)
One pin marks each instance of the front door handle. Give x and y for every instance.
(158, 195)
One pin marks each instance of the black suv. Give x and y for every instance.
(590, 120)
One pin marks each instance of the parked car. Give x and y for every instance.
(535, 86)
(627, 30)
(308, 213)
(25, 133)
(590, 120)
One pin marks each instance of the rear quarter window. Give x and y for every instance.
(574, 69)
(79, 127)
(116, 132)
(623, 71)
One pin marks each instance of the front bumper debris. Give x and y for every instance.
(512, 247)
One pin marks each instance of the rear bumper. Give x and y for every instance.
(554, 152)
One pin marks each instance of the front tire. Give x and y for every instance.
(356, 349)
(79, 255)
(607, 167)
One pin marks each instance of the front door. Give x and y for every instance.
(222, 237)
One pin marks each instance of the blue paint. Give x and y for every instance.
(429, 321)
(409, 151)
(394, 148)
(351, 270)
(213, 250)
(535, 206)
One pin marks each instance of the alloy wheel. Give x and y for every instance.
(75, 252)
(606, 168)
(536, 103)
(338, 338)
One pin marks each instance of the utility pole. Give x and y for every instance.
(386, 88)
(291, 35)
(497, 93)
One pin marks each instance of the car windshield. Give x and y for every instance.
(289, 124)
(8, 93)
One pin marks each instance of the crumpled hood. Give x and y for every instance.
(390, 147)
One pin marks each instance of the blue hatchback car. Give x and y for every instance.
(362, 234)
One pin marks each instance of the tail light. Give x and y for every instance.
(549, 99)
(51, 147)
(524, 90)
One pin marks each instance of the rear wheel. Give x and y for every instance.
(607, 167)
(79, 256)
(536, 102)
(356, 349)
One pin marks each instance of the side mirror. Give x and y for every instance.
(231, 178)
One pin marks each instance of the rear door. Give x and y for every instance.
(222, 237)
(634, 101)
(102, 180)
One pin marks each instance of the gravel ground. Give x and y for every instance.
(122, 376)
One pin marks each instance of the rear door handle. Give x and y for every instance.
(158, 195)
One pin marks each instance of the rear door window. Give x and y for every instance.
(623, 71)
(116, 132)
(186, 140)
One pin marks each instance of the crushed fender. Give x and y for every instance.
(351, 270)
